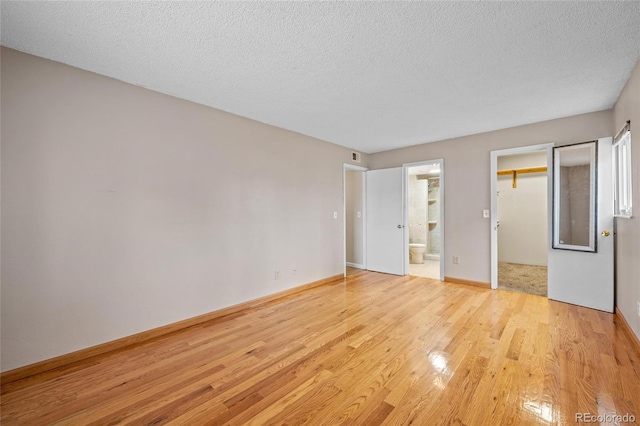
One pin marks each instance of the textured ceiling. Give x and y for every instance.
(369, 76)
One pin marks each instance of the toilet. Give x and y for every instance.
(416, 252)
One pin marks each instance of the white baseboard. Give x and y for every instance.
(355, 265)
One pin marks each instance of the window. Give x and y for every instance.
(622, 172)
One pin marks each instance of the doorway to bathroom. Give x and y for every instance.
(424, 215)
(520, 211)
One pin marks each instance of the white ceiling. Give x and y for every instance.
(369, 76)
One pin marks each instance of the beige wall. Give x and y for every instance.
(467, 184)
(124, 209)
(628, 230)
(522, 211)
(354, 197)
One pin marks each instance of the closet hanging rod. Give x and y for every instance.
(515, 172)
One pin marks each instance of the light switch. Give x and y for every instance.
(359, 215)
(486, 214)
(335, 215)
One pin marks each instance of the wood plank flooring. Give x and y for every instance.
(351, 270)
(370, 349)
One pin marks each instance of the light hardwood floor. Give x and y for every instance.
(370, 349)
(351, 270)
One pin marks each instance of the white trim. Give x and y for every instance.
(405, 199)
(353, 167)
(593, 187)
(622, 174)
(494, 198)
(355, 265)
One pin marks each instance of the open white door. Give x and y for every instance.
(584, 277)
(385, 233)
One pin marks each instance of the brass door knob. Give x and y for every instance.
(606, 233)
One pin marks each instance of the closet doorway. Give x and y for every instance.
(522, 194)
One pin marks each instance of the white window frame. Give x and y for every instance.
(622, 190)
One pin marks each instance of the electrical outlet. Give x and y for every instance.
(277, 275)
(294, 270)
(456, 260)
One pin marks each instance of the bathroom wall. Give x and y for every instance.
(433, 215)
(354, 197)
(417, 190)
(522, 211)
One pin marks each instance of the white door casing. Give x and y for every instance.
(385, 221)
(494, 198)
(585, 278)
(441, 216)
(345, 168)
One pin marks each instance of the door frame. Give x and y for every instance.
(353, 168)
(405, 207)
(494, 198)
